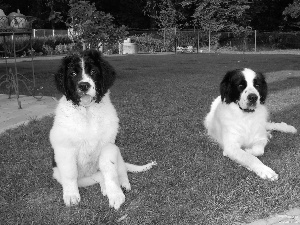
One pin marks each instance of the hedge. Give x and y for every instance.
(40, 45)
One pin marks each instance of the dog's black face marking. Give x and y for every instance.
(69, 77)
(100, 71)
(234, 84)
(261, 86)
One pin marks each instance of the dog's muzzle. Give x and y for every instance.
(84, 86)
(252, 99)
(251, 103)
(85, 98)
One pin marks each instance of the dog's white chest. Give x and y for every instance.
(86, 130)
(87, 157)
(252, 132)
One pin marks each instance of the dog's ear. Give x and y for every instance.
(225, 88)
(108, 72)
(263, 87)
(61, 77)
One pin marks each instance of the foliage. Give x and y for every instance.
(58, 49)
(166, 13)
(218, 15)
(40, 46)
(221, 15)
(278, 40)
(47, 50)
(264, 15)
(4, 6)
(48, 13)
(91, 26)
(187, 38)
(54, 17)
(153, 43)
(293, 11)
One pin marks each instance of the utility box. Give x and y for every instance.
(129, 48)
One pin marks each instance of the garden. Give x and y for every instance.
(161, 101)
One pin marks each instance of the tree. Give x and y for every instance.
(267, 15)
(293, 11)
(220, 15)
(129, 12)
(4, 6)
(54, 16)
(41, 10)
(167, 13)
(91, 26)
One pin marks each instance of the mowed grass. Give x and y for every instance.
(44, 76)
(161, 102)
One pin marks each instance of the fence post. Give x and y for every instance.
(209, 41)
(34, 33)
(175, 40)
(255, 40)
(53, 33)
(164, 39)
(198, 40)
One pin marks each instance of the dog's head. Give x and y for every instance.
(245, 88)
(84, 78)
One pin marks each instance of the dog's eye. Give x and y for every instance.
(73, 74)
(241, 86)
(256, 85)
(93, 72)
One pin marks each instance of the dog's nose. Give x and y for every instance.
(252, 98)
(84, 86)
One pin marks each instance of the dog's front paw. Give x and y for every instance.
(266, 173)
(126, 185)
(71, 198)
(124, 182)
(255, 150)
(116, 198)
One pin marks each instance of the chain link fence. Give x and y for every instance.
(174, 40)
(193, 41)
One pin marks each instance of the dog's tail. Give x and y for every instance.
(98, 177)
(283, 127)
(136, 169)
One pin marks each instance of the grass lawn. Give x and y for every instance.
(161, 102)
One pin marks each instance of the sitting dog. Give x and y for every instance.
(85, 128)
(238, 120)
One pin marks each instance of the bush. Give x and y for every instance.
(150, 43)
(40, 45)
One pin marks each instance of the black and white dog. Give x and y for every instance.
(238, 120)
(85, 128)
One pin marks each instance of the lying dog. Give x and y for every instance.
(238, 120)
(85, 128)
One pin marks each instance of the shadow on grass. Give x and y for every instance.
(282, 80)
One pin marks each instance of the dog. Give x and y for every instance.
(239, 121)
(85, 128)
